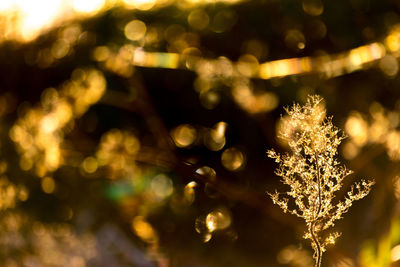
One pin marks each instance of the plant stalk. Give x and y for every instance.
(312, 230)
(317, 244)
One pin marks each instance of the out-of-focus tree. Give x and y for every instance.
(134, 132)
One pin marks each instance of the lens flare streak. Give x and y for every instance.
(328, 65)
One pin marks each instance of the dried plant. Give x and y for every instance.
(313, 174)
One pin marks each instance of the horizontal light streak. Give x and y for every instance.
(328, 65)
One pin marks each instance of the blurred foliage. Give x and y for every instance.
(134, 132)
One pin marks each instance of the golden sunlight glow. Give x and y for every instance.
(381, 128)
(88, 6)
(155, 60)
(285, 67)
(215, 137)
(198, 19)
(295, 257)
(211, 70)
(32, 19)
(135, 30)
(162, 186)
(295, 40)
(331, 66)
(10, 193)
(184, 135)
(357, 128)
(48, 185)
(117, 151)
(6, 5)
(37, 14)
(101, 53)
(218, 219)
(24, 20)
(395, 253)
(207, 172)
(392, 41)
(232, 159)
(253, 102)
(389, 65)
(350, 150)
(219, 130)
(140, 4)
(144, 230)
(90, 165)
(365, 54)
(393, 145)
(39, 132)
(189, 192)
(209, 99)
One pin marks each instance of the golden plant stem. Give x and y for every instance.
(312, 230)
(317, 244)
(319, 187)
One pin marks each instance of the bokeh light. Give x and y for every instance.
(184, 135)
(232, 159)
(135, 30)
(133, 132)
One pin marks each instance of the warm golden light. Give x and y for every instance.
(232, 159)
(144, 230)
(140, 4)
(357, 128)
(36, 14)
(254, 102)
(207, 172)
(101, 53)
(162, 186)
(135, 30)
(189, 192)
(38, 133)
(381, 128)
(117, 151)
(389, 65)
(218, 219)
(313, 7)
(155, 60)
(184, 135)
(209, 99)
(295, 257)
(10, 193)
(6, 5)
(90, 165)
(247, 65)
(395, 253)
(392, 41)
(393, 145)
(285, 67)
(198, 19)
(365, 54)
(88, 6)
(48, 185)
(350, 150)
(34, 19)
(295, 40)
(215, 137)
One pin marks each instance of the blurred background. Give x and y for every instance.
(134, 132)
